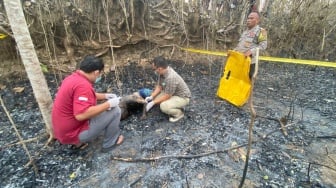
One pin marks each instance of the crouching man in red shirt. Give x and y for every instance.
(76, 116)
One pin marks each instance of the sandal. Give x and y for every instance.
(119, 141)
(81, 146)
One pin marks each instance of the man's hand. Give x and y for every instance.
(114, 102)
(248, 53)
(148, 99)
(110, 96)
(149, 105)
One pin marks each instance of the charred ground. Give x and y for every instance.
(306, 157)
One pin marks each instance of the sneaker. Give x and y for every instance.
(175, 119)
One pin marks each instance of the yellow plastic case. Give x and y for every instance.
(235, 84)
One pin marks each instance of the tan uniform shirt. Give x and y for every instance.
(252, 39)
(173, 84)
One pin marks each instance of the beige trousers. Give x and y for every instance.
(174, 105)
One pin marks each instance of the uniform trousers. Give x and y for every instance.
(174, 105)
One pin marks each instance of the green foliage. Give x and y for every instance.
(44, 68)
(302, 29)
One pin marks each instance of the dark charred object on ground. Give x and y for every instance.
(132, 104)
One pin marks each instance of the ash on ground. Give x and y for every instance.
(193, 152)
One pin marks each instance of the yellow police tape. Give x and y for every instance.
(2, 36)
(267, 58)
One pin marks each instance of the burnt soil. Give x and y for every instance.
(194, 152)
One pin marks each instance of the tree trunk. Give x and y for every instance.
(29, 58)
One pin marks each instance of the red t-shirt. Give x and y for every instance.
(75, 95)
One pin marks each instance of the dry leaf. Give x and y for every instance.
(239, 153)
(233, 153)
(18, 89)
(2, 87)
(200, 176)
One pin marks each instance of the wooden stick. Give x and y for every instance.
(283, 122)
(253, 117)
(31, 161)
(314, 163)
(24, 141)
(276, 130)
(150, 159)
(327, 152)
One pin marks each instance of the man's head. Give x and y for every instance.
(92, 67)
(91, 63)
(253, 20)
(160, 64)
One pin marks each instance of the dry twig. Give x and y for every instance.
(253, 117)
(151, 159)
(327, 152)
(31, 161)
(314, 163)
(24, 141)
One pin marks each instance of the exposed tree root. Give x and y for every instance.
(103, 52)
(159, 5)
(159, 26)
(164, 33)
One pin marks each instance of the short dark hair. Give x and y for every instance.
(160, 62)
(91, 63)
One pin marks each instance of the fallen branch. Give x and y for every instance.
(276, 130)
(31, 161)
(314, 163)
(282, 121)
(135, 181)
(327, 151)
(24, 141)
(150, 159)
(326, 137)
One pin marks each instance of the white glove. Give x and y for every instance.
(110, 96)
(149, 105)
(114, 102)
(148, 99)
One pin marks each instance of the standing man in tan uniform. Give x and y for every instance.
(171, 92)
(252, 38)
